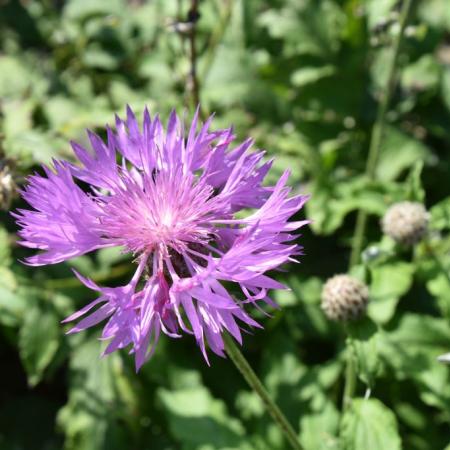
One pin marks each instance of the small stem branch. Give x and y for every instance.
(193, 78)
(252, 379)
(378, 129)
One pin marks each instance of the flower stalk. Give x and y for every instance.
(372, 159)
(378, 130)
(252, 379)
(194, 86)
(231, 349)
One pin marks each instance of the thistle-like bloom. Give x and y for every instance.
(170, 199)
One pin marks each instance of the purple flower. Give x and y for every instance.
(169, 199)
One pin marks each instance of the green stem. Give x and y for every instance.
(252, 379)
(378, 129)
(442, 267)
(216, 37)
(193, 77)
(371, 165)
(350, 379)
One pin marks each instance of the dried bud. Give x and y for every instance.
(406, 222)
(344, 298)
(8, 186)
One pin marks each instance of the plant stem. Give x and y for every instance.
(350, 379)
(252, 379)
(378, 129)
(193, 78)
(371, 165)
(216, 37)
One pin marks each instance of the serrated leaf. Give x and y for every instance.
(38, 341)
(369, 424)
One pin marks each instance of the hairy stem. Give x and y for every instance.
(252, 379)
(378, 129)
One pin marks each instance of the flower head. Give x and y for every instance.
(406, 222)
(344, 298)
(170, 199)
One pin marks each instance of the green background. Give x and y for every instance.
(303, 78)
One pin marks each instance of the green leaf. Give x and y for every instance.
(198, 420)
(81, 10)
(307, 75)
(95, 56)
(5, 249)
(107, 257)
(414, 344)
(328, 207)
(13, 299)
(38, 341)
(14, 77)
(439, 287)
(306, 28)
(291, 382)
(445, 88)
(389, 282)
(364, 342)
(440, 215)
(422, 75)
(94, 417)
(399, 151)
(416, 192)
(319, 430)
(378, 11)
(436, 13)
(40, 146)
(369, 424)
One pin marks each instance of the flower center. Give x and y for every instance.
(164, 212)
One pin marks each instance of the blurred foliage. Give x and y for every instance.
(303, 77)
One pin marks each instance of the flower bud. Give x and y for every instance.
(406, 222)
(344, 298)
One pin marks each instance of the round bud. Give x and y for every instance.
(344, 298)
(406, 222)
